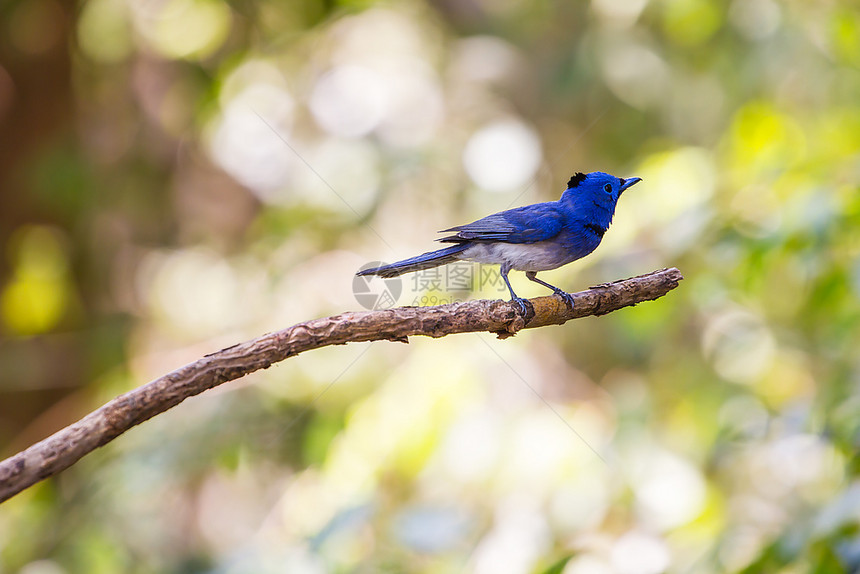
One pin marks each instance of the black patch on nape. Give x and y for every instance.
(594, 228)
(577, 178)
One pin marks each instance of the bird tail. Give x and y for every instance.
(417, 263)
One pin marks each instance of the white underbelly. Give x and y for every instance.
(539, 256)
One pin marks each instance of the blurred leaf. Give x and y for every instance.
(558, 567)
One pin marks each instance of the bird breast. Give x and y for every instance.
(540, 256)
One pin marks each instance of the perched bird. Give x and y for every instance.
(532, 238)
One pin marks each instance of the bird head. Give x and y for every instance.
(601, 189)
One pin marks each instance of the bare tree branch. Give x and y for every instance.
(65, 447)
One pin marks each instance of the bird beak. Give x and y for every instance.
(625, 183)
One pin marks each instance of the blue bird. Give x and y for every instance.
(531, 238)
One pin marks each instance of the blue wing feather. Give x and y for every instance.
(528, 224)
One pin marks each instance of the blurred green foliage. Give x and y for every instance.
(179, 175)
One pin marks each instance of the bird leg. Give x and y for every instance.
(568, 298)
(518, 300)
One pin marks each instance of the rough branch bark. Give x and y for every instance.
(65, 447)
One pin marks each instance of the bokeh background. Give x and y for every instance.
(180, 175)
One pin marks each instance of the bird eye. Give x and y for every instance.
(607, 188)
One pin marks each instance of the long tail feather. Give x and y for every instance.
(419, 262)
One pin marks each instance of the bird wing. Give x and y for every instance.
(528, 224)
